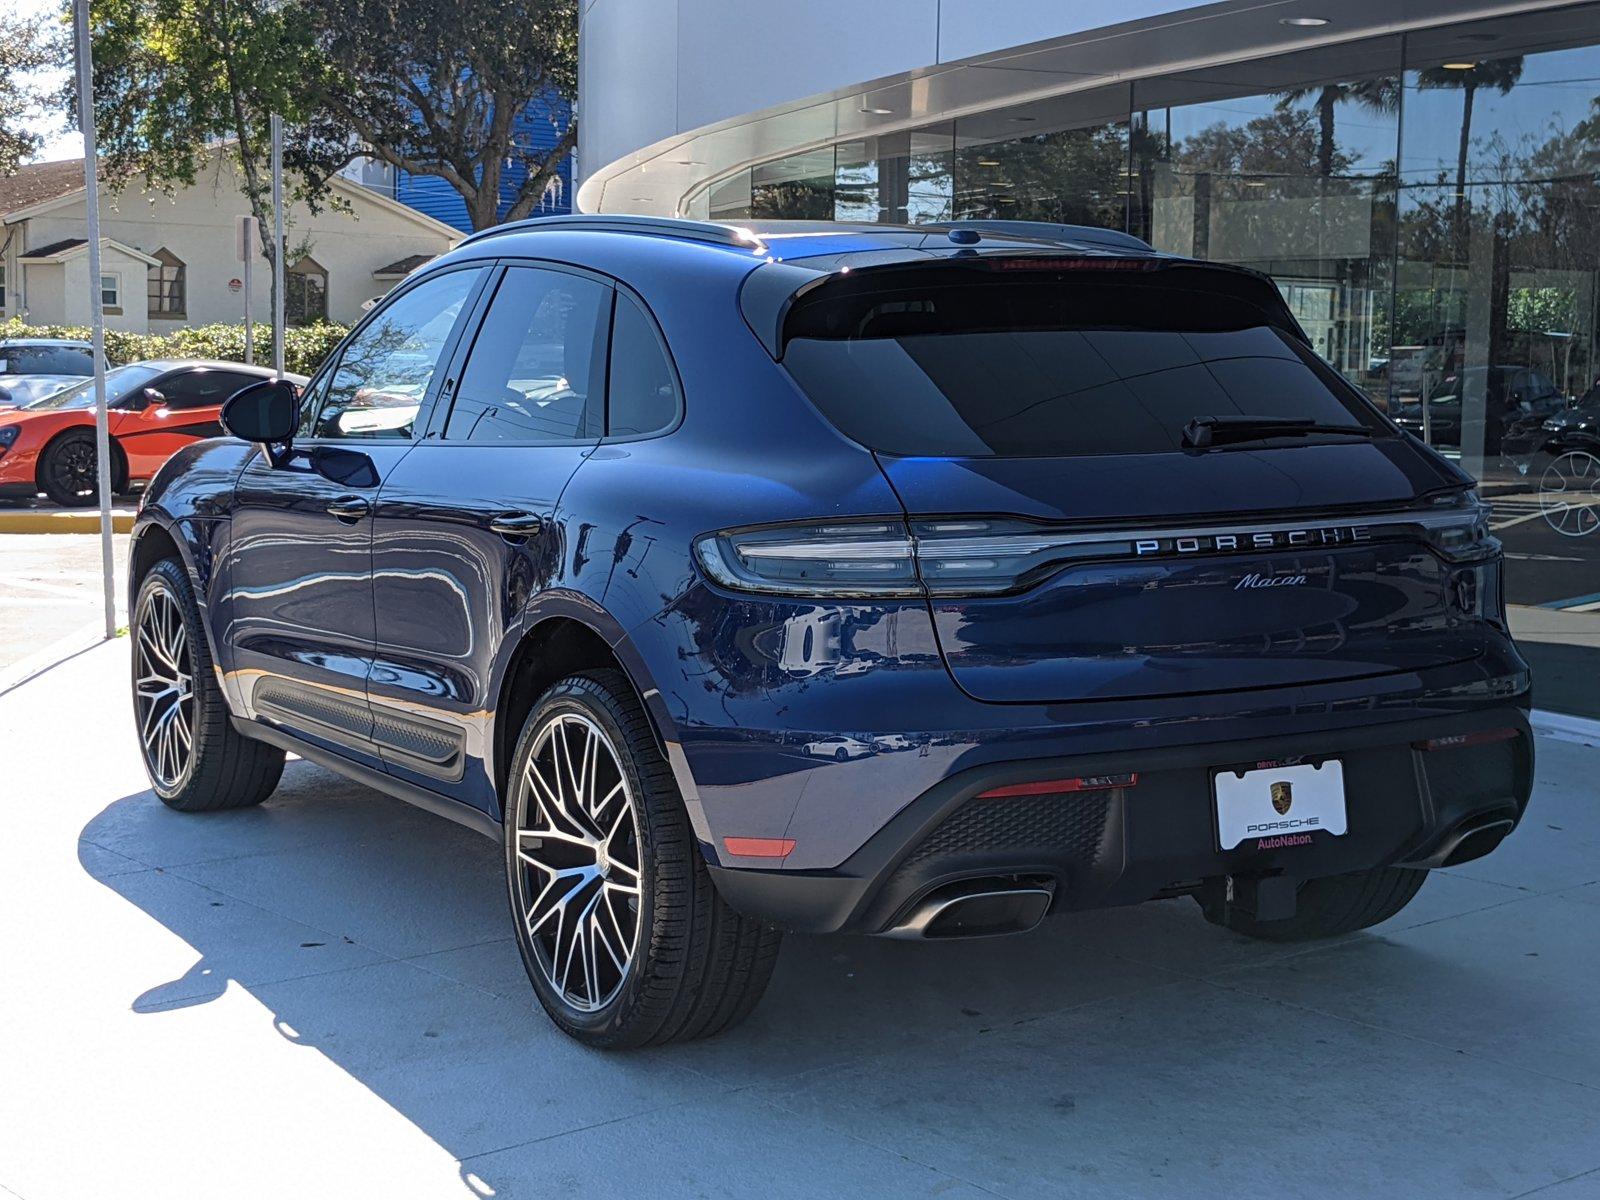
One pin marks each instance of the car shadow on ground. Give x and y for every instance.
(379, 935)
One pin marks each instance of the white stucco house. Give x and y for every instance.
(169, 261)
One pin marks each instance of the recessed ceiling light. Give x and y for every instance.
(1480, 37)
(881, 112)
(1461, 66)
(1304, 22)
(1022, 120)
(988, 162)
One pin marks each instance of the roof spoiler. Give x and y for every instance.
(771, 290)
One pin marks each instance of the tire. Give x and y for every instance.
(200, 763)
(841, 755)
(1332, 906)
(68, 470)
(689, 966)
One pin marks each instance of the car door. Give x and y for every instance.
(150, 429)
(299, 614)
(468, 527)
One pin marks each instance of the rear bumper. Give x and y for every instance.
(1406, 806)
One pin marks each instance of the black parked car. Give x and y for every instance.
(1516, 400)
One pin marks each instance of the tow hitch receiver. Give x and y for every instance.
(1263, 897)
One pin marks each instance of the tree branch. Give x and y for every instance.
(533, 187)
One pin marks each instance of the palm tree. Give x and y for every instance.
(1500, 74)
(1380, 95)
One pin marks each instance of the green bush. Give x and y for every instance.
(304, 347)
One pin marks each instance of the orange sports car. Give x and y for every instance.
(157, 407)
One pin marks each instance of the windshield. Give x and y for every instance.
(1049, 368)
(119, 382)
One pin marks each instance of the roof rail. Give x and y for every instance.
(695, 231)
(1049, 231)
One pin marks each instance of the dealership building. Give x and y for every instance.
(1420, 177)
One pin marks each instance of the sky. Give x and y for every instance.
(59, 140)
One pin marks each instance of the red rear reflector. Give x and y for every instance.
(758, 847)
(1047, 787)
(1482, 737)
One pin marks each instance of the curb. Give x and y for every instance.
(1564, 728)
(55, 520)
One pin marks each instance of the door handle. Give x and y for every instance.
(350, 508)
(517, 525)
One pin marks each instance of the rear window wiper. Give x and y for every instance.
(1215, 431)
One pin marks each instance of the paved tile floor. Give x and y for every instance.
(319, 998)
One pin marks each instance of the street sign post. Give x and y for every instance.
(102, 417)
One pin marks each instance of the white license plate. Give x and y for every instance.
(1289, 802)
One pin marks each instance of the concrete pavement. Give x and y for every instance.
(319, 997)
(51, 598)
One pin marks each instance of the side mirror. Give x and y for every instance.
(267, 412)
(151, 398)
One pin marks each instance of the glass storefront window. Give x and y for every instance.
(1297, 181)
(1495, 356)
(1064, 162)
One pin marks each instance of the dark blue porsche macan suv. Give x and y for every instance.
(907, 581)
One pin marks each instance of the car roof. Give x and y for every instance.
(788, 241)
(209, 364)
(74, 343)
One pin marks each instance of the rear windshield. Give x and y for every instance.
(1060, 365)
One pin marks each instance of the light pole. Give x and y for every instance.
(277, 245)
(97, 320)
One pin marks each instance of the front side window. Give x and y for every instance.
(203, 388)
(382, 376)
(536, 372)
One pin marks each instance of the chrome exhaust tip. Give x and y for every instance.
(975, 908)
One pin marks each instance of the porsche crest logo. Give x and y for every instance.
(1282, 797)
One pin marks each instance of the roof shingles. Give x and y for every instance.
(404, 266)
(39, 182)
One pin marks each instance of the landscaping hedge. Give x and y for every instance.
(304, 347)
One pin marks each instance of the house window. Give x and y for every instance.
(168, 285)
(111, 293)
(2, 289)
(306, 292)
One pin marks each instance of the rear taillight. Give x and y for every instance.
(1457, 526)
(859, 559)
(954, 557)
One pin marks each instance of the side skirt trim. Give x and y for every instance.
(461, 814)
